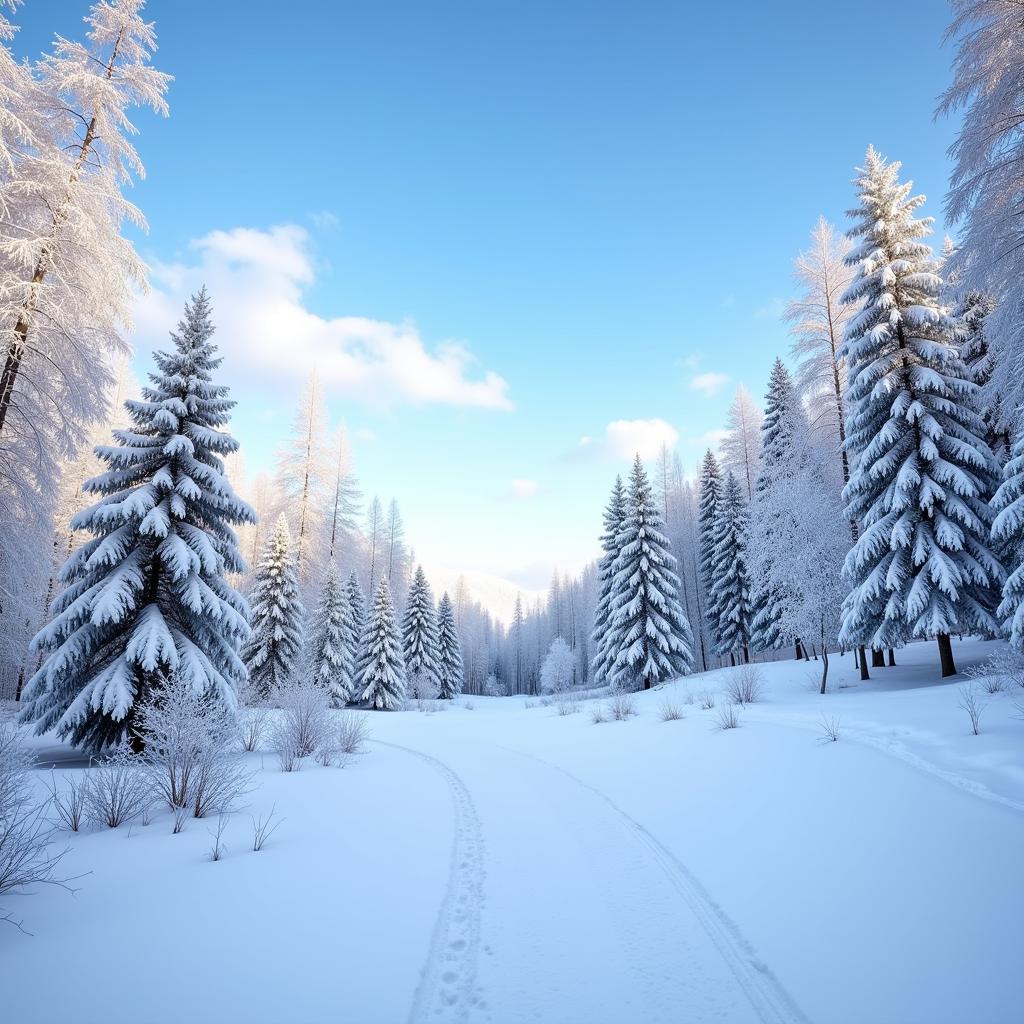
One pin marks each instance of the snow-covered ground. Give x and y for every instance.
(503, 863)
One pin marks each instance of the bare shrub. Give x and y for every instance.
(993, 684)
(27, 855)
(69, 801)
(707, 700)
(1004, 668)
(219, 847)
(670, 710)
(180, 817)
(621, 707)
(352, 732)
(745, 685)
(263, 829)
(118, 789)
(597, 714)
(567, 704)
(970, 703)
(688, 696)
(830, 727)
(305, 722)
(729, 716)
(252, 724)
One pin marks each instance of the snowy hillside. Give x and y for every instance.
(499, 861)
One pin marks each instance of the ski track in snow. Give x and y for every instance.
(447, 990)
(766, 995)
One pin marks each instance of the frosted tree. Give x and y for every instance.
(449, 651)
(65, 270)
(817, 320)
(614, 517)
(420, 639)
(358, 604)
(332, 640)
(985, 184)
(146, 597)
(342, 502)
(303, 476)
(382, 670)
(558, 668)
(274, 650)
(741, 445)
(374, 539)
(731, 584)
(649, 634)
(709, 501)
(921, 566)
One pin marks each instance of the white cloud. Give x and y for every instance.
(709, 384)
(524, 488)
(324, 219)
(626, 438)
(256, 280)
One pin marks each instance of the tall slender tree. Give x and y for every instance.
(449, 661)
(731, 587)
(147, 597)
(420, 639)
(710, 500)
(741, 445)
(382, 671)
(332, 640)
(922, 566)
(614, 518)
(649, 635)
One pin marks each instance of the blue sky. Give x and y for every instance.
(597, 201)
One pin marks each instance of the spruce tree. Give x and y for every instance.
(382, 670)
(147, 597)
(922, 566)
(614, 516)
(649, 635)
(275, 647)
(358, 603)
(778, 439)
(332, 640)
(1008, 532)
(420, 639)
(731, 573)
(449, 661)
(710, 498)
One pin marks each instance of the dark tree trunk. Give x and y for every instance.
(862, 657)
(877, 657)
(824, 668)
(892, 657)
(799, 650)
(946, 655)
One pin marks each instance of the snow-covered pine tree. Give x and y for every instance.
(273, 652)
(614, 516)
(731, 587)
(358, 603)
(1008, 532)
(382, 670)
(778, 436)
(449, 651)
(649, 635)
(420, 639)
(332, 640)
(710, 498)
(922, 565)
(147, 597)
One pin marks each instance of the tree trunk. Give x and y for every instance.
(877, 657)
(799, 650)
(824, 668)
(862, 657)
(892, 657)
(946, 655)
(746, 655)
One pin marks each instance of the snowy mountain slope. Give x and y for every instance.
(503, 863)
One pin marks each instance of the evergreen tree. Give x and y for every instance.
(614, 517)
(731, 573)
(1008, 532)
(649, 634)
(332, 640)
(778, 439)
(274, 650)
(147, 597)
(420, 639)
(921, 566)
(449, 660)
(358, 603)
(710, 499)
(382, 671)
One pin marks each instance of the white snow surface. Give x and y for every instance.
(502, 863)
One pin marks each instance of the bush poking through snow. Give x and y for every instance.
(219, 847)
(688, 698)
(970, 703)
(671, 710)
(745, 685)
(180, 818)
(597, 714)
(263, 829)
(252, 724)
(352, 733)
(707, 700)
(468, 705)
(1004, 668)
(118, 789)
(70, 801)
(26, 834)
(621, 707)
(830, 727)
(567, 704)
(305, 722)
(729, 716)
